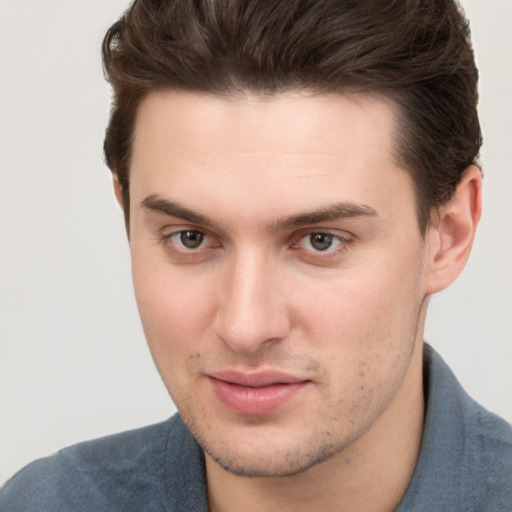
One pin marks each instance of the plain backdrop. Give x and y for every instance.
(73, 362)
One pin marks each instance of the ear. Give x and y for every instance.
(118, 190)
(451, 237)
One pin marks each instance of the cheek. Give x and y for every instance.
(175, 315)
(350, 306)
(174, 310)
(364, 324)
(364, 337)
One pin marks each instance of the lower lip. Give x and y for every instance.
(255, 401)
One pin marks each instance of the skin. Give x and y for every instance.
(245, 175)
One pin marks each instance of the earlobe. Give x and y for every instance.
(118, 190)
(451, 238)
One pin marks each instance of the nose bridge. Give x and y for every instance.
(251, 309)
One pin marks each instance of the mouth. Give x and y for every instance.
(255, 394)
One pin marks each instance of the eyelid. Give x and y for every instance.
(345, 239)
(180, 230)
(342, 235)
(179, 252)
(176, 239)
(335, 242)
(212, 242)
(170, 230)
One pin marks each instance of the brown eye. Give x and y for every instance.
(191, 239)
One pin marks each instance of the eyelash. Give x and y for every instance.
(330, 255)
(183, 253)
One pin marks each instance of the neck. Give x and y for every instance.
(371, 474)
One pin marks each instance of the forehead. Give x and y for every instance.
(288, 122)
(317, 148)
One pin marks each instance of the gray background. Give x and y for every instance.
(73, 361)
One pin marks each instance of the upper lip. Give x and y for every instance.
(256, 379)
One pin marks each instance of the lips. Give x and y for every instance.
(255, 393)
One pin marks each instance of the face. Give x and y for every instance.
(277, 264)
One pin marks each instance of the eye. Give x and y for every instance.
(190, 245)
(321, 242)
(188, 239)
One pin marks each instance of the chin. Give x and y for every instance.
(270, 458)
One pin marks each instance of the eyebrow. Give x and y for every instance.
(173, 209)
(337, 211)
(332, 212)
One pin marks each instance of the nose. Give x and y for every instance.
(252, 308)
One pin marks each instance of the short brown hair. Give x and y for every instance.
(417, 52)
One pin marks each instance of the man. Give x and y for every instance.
(298, 178)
